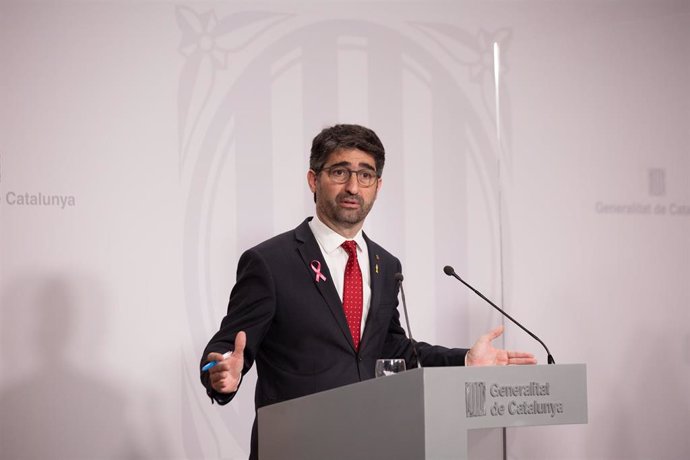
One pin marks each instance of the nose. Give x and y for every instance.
(352, 184)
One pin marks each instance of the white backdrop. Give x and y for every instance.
(144, 145)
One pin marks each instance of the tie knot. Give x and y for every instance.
(350, 247)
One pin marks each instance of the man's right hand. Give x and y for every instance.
(226, 375)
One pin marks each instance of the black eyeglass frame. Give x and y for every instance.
(344, 180)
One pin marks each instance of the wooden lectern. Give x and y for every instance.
(421, 413)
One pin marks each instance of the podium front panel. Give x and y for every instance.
(422, 413)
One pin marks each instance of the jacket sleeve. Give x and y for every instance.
(250, 309)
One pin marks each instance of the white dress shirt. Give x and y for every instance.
(336, 257)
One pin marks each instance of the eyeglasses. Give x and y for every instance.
(341, 175)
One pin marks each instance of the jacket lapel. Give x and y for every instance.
(375, 273)
(310, 252)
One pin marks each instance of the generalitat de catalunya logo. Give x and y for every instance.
(475, 399)
(657, 201)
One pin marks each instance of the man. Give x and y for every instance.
(315, 307)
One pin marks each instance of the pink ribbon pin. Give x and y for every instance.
(316, 266)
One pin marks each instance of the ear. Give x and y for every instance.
(379, 184)
(311, 180)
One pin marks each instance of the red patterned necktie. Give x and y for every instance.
(352, 292)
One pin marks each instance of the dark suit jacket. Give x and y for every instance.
(296, 328)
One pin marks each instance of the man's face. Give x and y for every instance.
(343, 207)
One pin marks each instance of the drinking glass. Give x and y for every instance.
(386, 367)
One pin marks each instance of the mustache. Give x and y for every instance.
(349, 197)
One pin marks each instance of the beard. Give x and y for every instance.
(343, 216)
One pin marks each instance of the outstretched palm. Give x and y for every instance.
(483, 353)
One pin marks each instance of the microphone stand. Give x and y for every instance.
(448, 270)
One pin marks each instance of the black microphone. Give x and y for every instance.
(448, 270)
(399, 278)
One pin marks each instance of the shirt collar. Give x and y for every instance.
(328, 239)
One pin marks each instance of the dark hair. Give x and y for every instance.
(340, 137)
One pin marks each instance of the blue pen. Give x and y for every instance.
(209, 365)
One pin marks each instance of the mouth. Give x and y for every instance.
(350, 202)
